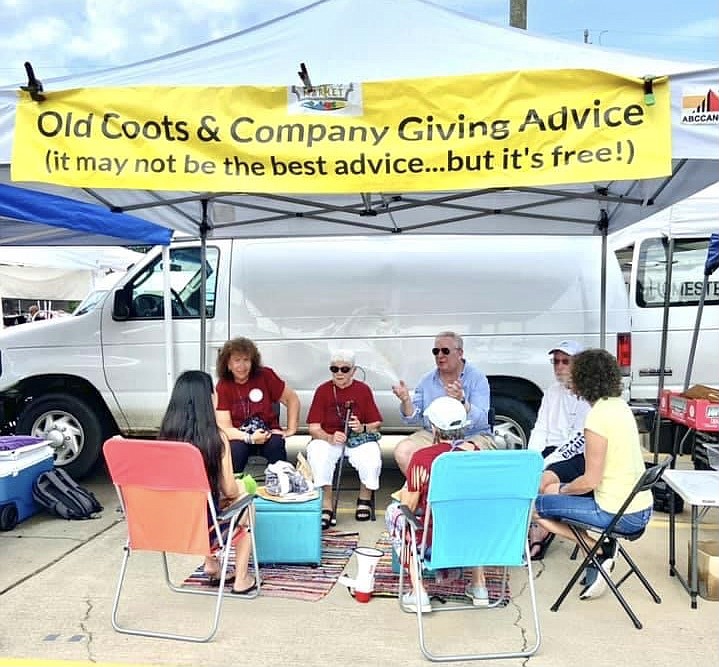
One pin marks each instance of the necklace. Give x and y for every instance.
(348, 408)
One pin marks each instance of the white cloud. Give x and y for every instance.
(703, 28)
(70, 36)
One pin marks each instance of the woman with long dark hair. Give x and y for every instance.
(190, 417)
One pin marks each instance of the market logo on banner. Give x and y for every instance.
(337, 99)
(700, 106)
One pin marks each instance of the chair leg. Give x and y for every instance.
(634, 569)
(591, 557)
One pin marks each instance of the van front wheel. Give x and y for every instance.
(513, 422)
(72, 427)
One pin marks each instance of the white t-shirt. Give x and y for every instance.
(560, 424)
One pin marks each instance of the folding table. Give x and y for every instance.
(699, 488)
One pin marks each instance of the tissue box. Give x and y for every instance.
(707, 568)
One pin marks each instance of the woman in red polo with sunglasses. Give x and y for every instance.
(343, 407)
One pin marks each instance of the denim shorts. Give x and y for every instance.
(586, 510)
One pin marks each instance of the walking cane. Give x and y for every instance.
(338, 473)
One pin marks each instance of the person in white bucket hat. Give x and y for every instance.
(558, 434)
(448, 420)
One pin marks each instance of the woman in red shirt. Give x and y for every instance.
(247, 410)
(343, 402)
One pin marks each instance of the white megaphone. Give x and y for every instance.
(362, 586)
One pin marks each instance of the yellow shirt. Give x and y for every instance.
(624, 465)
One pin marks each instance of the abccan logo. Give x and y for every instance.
(700, 106)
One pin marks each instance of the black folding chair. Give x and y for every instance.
(650, 477)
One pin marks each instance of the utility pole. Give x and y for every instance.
(518, 14)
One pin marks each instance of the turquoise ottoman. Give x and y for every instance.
(288, 532)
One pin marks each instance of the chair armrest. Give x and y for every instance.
(411, 518)
(236, 508)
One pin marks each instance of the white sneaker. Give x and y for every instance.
(409, 602)
(595, 582)
(478, 595)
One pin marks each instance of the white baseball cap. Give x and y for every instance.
(447, 414)
(570, 347)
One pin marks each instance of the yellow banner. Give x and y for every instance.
(492, 130)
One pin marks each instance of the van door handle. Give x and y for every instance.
(653, 372)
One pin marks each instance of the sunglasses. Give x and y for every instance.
(558, 362)
(340, 369)
(444, 350)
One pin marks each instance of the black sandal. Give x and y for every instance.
(364, 510)
(542, 546)
(328, 518)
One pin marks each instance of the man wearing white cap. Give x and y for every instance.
(559, 432)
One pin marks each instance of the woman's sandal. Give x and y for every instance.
(328, 518)
(541, 547)
(364, 510)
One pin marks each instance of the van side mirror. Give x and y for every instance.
(121, 305)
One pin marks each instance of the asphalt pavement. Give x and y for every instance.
(59, 577)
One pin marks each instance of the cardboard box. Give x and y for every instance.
(702, 415)
(707, 568)
(673, 406)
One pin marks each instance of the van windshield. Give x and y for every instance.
(90, 302)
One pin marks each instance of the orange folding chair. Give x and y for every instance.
(166, 499)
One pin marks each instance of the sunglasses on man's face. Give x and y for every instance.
(340, 369)
(558, 362)
(444, 350)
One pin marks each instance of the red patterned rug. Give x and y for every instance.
(300, 582)
(386, 582)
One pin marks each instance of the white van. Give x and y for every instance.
(643, 253)
(104, 371)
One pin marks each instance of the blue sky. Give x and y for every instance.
(72, 36)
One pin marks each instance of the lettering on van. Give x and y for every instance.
(689, 290)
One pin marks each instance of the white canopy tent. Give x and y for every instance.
(344, 40)
(59, 274)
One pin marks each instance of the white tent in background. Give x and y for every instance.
(695, 215)
(45, 275)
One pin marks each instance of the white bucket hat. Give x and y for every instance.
(447, 414)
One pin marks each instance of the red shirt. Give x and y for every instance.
(329, 405)
(418, 472)
(236, 397)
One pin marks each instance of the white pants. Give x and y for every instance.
(366, 459)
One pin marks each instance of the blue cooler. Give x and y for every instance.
(288, 532)
(22, 459)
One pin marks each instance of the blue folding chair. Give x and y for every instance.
(480, 505)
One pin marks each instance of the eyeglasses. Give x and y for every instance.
(340, 369)
(444, 350)
(557, 362)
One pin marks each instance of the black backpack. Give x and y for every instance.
(62, 496)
